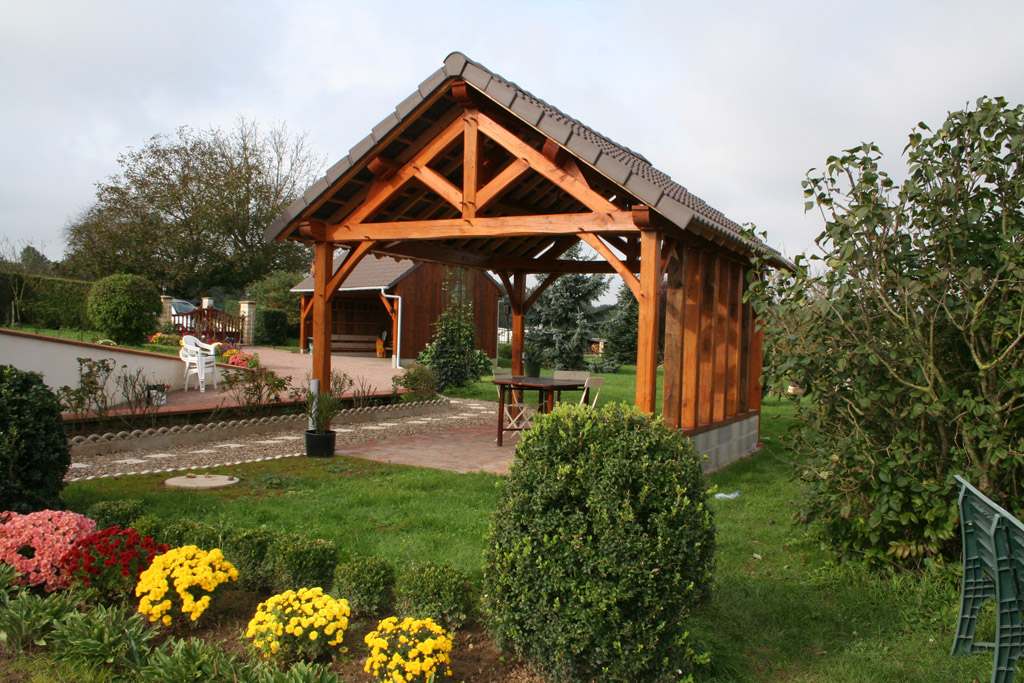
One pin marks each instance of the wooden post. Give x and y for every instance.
(721, 341)
(517, 298)
(323, 268)
(732, 401)
(706, 345)
(650, 314)
(470, 164)
(304, 332)
(672, 389)
(691, 341)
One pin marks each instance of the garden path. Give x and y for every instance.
(460, 439)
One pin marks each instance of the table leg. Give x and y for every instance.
(501, 413)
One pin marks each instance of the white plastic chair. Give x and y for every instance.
(592, 389)
(200, 359)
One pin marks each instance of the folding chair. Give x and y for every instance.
(591, 390)
(570, 374)
(518, 415)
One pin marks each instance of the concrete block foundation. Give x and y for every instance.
(729, 443)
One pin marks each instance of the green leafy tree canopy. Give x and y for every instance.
(910, 332)
(188, 210)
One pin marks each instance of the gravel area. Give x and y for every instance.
(289, 442)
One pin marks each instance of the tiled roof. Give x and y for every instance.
(370, 273)
(618, 163)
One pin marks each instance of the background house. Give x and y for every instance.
(400, 300)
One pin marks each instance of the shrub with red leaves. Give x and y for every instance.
(111, 560)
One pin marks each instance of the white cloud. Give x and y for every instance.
(735, 100)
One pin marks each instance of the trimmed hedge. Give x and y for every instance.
(49, 302)
(601, 546)
(270, 327)
(34, 456)
(124, 308)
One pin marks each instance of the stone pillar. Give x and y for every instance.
(165, 309)
(247, 309)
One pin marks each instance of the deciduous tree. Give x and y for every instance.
(188, 210)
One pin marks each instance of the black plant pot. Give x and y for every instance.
(531, 368)
(320, 444)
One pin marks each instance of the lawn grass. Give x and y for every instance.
(92, 336)
(780, 611)
(405, 514)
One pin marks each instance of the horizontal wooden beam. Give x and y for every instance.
(486, 227)
(561, 266)
(425, 251)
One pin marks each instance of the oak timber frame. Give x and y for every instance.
(712, 342)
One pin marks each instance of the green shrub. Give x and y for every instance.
(601, 546)
(103, 634)
(368, 583)
(274, 291)
(184, 532)
(300, 562)
(605, 366)
(907, 338)
(436, 591)
(34, 455)
(150, 525)
(124, 308)
(28, 619)
(7, 576)
(247, 549)
(270, 327)
(505, 351)
(452, 353)
(301, 672)
(56, 303)
(421, 382)
(196, 660)
(122, 513)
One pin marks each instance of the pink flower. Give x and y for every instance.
(35, 543)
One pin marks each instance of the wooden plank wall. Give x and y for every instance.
(712, 352)
(423, 301)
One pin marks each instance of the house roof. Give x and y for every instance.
(617, 171)
(370, 273)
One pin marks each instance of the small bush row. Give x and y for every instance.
(272, 561)
(174, 582)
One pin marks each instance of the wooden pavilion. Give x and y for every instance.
(472, 170)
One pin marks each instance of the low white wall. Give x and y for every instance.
(57, 360)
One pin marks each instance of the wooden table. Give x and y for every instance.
(546, 388)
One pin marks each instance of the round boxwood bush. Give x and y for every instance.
(601, 546)
(34, 453)
(124, 307)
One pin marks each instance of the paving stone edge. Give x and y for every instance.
(166, 437)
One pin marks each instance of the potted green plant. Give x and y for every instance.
(531, 359)
(321, 409)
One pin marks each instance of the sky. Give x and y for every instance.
(733, 100)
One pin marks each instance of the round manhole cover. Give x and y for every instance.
(202, 481)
